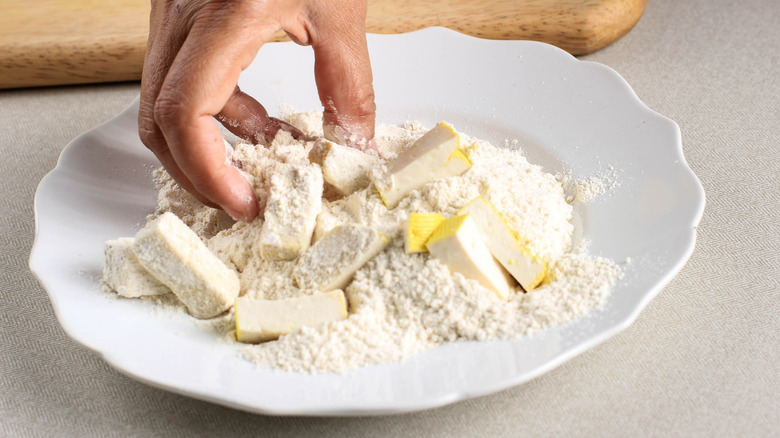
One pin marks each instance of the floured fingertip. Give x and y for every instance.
(245, 207)
(339, 135)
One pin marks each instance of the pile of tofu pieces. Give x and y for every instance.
(167, 256)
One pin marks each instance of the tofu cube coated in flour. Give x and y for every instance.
(124, 274)
(332, 261)
(174, 254)
(346, 169)
(326, 221)
(266, 320)
(435, 155)
(294, 201)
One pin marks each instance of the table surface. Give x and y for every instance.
(701, 360)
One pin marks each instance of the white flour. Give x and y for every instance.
(403, 303)
(584, 190)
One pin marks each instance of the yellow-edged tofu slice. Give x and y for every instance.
(435, 155)
(457, 242)
(503, 244)
(419, 228)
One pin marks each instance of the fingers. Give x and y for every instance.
(343, 73)
(189, 74)
(200, 82)
(247, 118)
(195, 53)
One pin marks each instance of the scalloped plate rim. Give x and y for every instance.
(358, 408)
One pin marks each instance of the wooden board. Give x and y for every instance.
(53, 42)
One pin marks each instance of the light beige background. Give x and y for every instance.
(702, 360)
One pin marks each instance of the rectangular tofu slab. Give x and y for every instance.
(332, 261)
(174, 254)
(434, 155)
(457, 243)
(124, 274)
(346, 169)
(266, 320)
(502, 242)
(294, 201)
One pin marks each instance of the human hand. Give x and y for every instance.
(194, 56)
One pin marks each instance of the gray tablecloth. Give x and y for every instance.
(702, 360)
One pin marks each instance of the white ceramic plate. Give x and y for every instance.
(570, 114)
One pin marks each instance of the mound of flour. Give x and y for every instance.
(403, 303)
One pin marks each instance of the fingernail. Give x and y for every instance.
(248, 208)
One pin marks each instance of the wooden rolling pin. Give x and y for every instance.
(54, 42)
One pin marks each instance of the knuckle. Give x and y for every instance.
(149, 137)
(149, 133)
(365, 104)
(168, 110)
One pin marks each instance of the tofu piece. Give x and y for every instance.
(503, 244)
(174, 254)
(333, 260)
(353, 204)
(294, 201)
(346, 169)
(419, 228)
(326, 221)
(434, 155)
(266, 320)
(457, 243)
(124, 274)
(234, 245)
